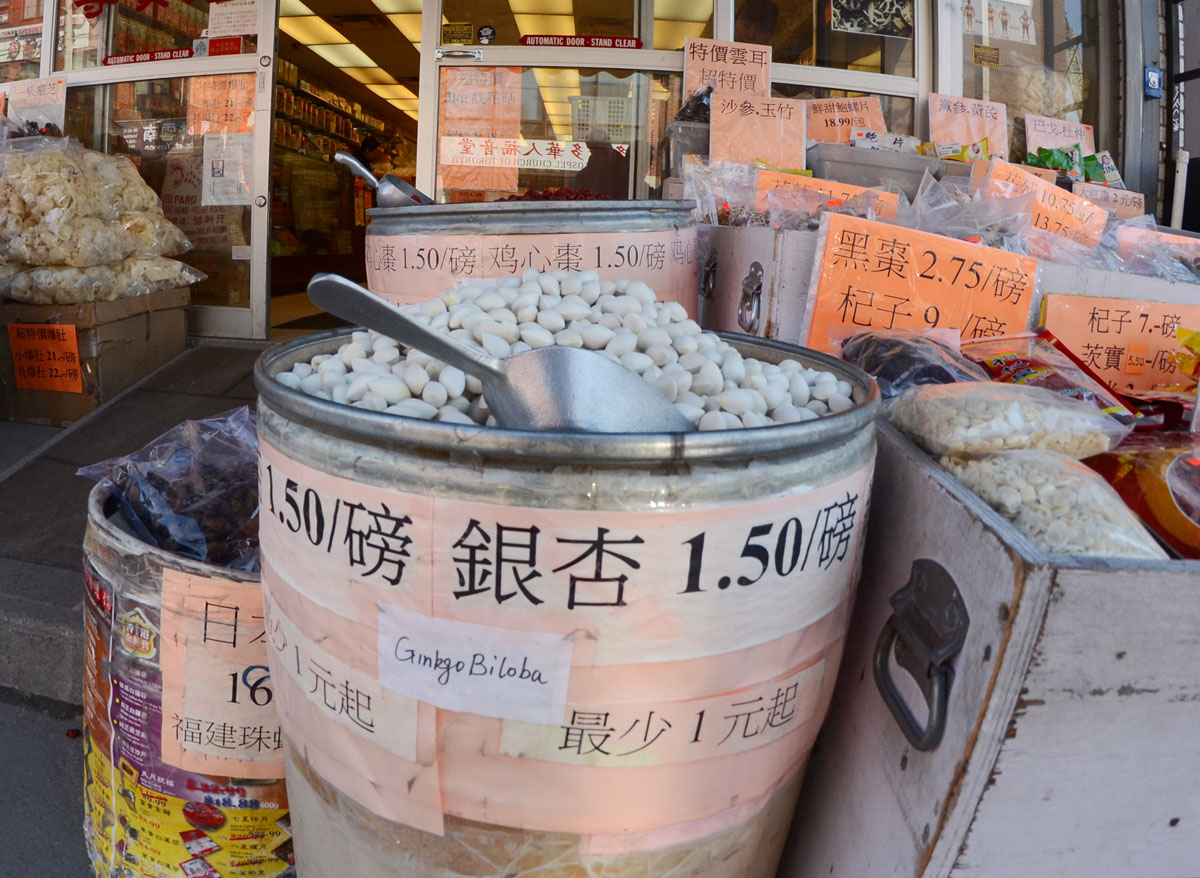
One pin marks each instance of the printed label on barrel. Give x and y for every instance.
(406, 269)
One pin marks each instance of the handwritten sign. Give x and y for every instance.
(479, 102)
(886, 205)
(489, 152)
(751, 129)
(738, 68)
(878, 276)
(232, 18)
(1048, 174)
(1043, 131)
(1121, 203)
(964, 120)
(834, 121)
(520, 675)
(1055, 210)
(38, 100)
(221, 104)
(46, 356)
(1128, 343)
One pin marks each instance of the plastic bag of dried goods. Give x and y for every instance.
(48, 174)
(77, 241)
(1158, 477)
(122, 186)
(724, 193)
(193, 490)
(156, 273)
(977, 417)
(152, 234)
(899, 359)
(1059, 504)
(66, 285)
(946, 207)
(1038, 359)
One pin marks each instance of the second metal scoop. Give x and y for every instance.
(390, 190)
(550, 388)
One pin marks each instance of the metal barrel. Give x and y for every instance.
(507, 653)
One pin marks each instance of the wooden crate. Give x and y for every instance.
(119, 342)
(1070, 747)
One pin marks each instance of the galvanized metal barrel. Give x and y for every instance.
(505, 653)
(183, 765)
(414, 253)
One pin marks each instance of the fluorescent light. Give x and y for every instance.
(369, 75)
(390, 6)
(344, 55)
(393, 92)
(405, 104)
(311, 30)
(562, 25)
(409, 25)
(683, 10)
(293, 7)
(671, 35)
(541, 7)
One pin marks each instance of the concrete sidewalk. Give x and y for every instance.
(43, 508)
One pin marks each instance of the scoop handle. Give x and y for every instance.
(344, 298)
(344, 158)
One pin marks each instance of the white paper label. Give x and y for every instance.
(241, 252)
(518, 675)
(38, 100)
(228, 164)
(233, 18)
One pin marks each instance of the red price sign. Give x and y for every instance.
(46, 356)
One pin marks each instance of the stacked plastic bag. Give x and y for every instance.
(79, 226)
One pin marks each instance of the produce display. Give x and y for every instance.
(706, 378)
(976, 418)
(80, 226)
(899, 359)
(1059, 504)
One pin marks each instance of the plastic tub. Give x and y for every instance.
(872, 167)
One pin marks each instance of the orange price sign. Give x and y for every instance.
(833, 120)
(1121, 203)
(748, 129)
(871, 275)
(1133, 243)
(888, 203)
(1043, 131)
(1055, 210)
(221, 104)
(1126, 342)
(46, 356)
(741, 68)
(954, 119)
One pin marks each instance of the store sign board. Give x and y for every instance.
(1121, 203)
(1128, 343)
(46, 356)
(1055, 210)
(479, 103)
(873, 275)
(749, 129)
(834, 120)
(487, 152)
(953, 119)
(233, 18)
(887, 204)
(581, 42)
(141, 57)
(38, 100)
(1048, 133)
(742, 68)
(22, 43)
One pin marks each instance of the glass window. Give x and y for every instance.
(875, 36)
(107, 28)
(676, 20)
(1053, 57)
(898, 112)
(163, 126)
(508, 130)
(20, 39)
(510, 22)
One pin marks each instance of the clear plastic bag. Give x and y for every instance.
(1059, 504)
(65, 285)
(153, 234)
(949, 209)
(899, 359)
(724, 193)
(193, 490)
(977, 418)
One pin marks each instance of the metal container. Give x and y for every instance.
(415, 253)
(175, 775)
(700, 585)
(873, 167)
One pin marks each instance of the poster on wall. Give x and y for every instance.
(228, 167)
(1000, 20)
(21, 43)
(882, 18)
(479, 103)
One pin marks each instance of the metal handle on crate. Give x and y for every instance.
(708, 276)
(927, 629)
(439, 54)
(751, 302)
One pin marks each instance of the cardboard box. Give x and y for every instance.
(119, 343)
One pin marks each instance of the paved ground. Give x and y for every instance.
(41, 805)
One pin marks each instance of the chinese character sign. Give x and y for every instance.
(221, 104)
(1128, 343)
(734, 68)
(872, 275)
(886, 205)
(480, 104)
(38, 100)
(959, 120)
(46, 356)
(833, 120)
(750, 129)
(1056, 211)
(1043, 131)
(1121, 203)
(514, 152)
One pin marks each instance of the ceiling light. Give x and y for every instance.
(345, 55)
(405, 104)
(390, 6)
(671, 35)
(561, 25)
(311, 30)
(541, 7)
(393, 92)
(293, 7)
(369, 75)
(409, 25)
(683, 10)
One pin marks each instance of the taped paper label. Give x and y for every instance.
(1121, 203)
(1050, 133)
(740, 68)
(887, 204)
(954, 119)
(518, 675)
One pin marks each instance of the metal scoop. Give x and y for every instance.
(550, 388)
(390, 190)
